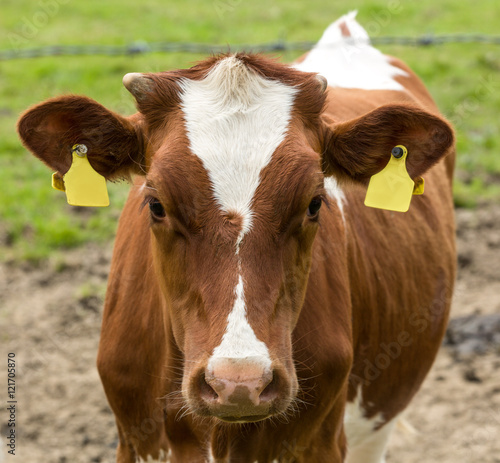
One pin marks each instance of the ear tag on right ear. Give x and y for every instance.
(418, 189)
(84, 186)
(58, 182)
(392, 187)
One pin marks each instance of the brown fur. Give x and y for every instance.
(50, 129)
(326, 296)
(361, 147)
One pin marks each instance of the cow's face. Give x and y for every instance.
(235, 190)
(234, 153)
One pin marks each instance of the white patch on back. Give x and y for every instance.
(235, 120)
(364, 443)
(351, 62)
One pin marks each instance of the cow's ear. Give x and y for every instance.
(51, 128)
(361, 147)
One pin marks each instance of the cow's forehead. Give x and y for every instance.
(235, 119)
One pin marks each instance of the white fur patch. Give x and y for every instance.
(365, 444)
(164, 457)
(351, 62)
(239, 340)
(334, 191)
(235, 120)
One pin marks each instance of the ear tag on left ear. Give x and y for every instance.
(84, 186)
(392, 187)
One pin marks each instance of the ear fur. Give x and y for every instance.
(359, 148)
(50, 129)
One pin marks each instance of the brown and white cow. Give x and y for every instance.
(257, 311)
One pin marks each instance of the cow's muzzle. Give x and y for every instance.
(241, 390)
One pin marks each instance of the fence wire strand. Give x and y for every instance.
(141, 48)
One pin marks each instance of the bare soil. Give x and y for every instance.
(50, 317)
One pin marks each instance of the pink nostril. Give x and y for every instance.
(207, 392)
(237, 388)
(271, 391)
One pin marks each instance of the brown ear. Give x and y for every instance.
(359, 148)
(50, 130)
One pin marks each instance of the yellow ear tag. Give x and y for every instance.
(84, 186)
(418, 189)
(58, 182)
(392, 187)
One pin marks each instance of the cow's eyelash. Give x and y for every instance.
(324, 198)
(146, 201)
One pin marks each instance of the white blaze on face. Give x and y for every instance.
(239, 340)
(235, 120)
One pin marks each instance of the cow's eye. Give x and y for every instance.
(314, 207)
(157, 210)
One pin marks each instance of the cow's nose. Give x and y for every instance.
(239, 389)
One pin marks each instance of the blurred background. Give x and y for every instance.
(54, 258)
(463, 78)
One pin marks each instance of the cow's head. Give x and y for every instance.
(234, 153)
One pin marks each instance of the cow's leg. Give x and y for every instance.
(124, 455)
(127, 452)
(366, 441)
(372, 448)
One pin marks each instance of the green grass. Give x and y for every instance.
(35, 220)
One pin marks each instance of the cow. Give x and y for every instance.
(257, 310)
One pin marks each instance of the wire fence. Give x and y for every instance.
(141, 48)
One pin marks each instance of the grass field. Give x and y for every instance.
(35, 220)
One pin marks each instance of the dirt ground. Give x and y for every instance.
(50, 317)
